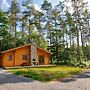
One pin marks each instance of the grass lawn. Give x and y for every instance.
(47, 73)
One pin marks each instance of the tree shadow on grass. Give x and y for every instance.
(6, 77)
(83, 75)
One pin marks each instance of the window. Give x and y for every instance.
(24, 57)
(10, 57)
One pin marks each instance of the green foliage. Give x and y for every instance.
(52, 28)
(14, 7)
(87, 52)
(46, 5)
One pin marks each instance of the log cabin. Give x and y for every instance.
(26, 55)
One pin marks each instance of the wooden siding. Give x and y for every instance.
(5, 59)
(45, 54)
(17, 56)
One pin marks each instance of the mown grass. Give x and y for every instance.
(47, 73)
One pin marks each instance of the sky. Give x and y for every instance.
(5, 4)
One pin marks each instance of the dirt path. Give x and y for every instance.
(10, 81)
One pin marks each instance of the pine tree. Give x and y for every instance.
(13, 18)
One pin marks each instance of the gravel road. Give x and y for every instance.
(9, 81)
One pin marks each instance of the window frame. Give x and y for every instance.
(24, 57)
(10, 57)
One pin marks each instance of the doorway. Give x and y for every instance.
(41, 60)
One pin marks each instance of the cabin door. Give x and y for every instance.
(41, 60)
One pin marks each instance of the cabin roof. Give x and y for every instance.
(25, 46)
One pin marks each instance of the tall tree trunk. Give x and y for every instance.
(82, 43)
(15, 34)
(70, 40)
(56, 35)
(39, 32)
(29, 32)
(77, 28)
(22, 29)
